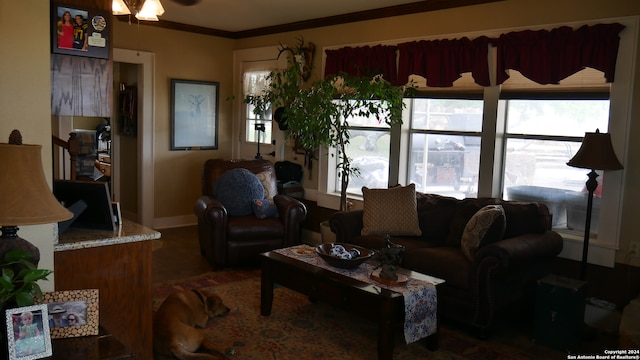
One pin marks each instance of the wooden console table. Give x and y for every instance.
(118, 264)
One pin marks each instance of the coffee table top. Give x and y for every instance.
(342, 275)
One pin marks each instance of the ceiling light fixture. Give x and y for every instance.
(118, 7)
(148, 10)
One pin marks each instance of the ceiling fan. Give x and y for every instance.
(144, 9)
(186, 2)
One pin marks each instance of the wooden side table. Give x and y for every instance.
(100, 347)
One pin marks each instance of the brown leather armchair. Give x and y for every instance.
(227, 240)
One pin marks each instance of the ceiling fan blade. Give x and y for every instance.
(186, 2)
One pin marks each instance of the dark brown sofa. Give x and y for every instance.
(502, 274)
(227, 240)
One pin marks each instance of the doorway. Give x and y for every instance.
(132, 177)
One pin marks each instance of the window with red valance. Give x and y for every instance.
(363, 61)
(543, 56)
(442, 62)
(548, 56)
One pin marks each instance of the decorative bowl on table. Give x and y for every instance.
(333, 254)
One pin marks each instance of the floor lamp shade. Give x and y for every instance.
(25, 198)
(595, 153)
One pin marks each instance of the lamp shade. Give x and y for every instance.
(596, 153)
(25, 196)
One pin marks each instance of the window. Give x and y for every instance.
(258, 128)
(542, 135)
(444, 153)
(531, 134)
(368, 148)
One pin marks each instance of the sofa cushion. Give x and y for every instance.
(268, 183)
(236, 189)
(390, 211)
(434, 214)
(487, 223)
(265, 208)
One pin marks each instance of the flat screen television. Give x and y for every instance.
(98, 213)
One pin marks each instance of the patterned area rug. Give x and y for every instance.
(298, 329)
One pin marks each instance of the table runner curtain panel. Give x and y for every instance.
(543, 56)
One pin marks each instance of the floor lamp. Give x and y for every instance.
(595, 153)
(26, 196)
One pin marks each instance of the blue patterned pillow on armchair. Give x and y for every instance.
(236, 189)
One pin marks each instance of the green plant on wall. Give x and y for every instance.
(317, 115)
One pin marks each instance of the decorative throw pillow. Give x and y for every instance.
(270, 186)
(390, 211)
(489, 220)
(265, 208)
(236, 189)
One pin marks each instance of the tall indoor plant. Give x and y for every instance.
(316, 115)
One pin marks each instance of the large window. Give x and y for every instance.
(542, 135)
(530, 136)
(444, 153)
(368, 149)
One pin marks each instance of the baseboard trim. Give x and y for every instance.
(174, 221)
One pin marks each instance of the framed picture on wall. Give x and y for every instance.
(194, 115)
(81, 31)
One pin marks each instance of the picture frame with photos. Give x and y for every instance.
(28, 332)
(80, 31)
(80, 305)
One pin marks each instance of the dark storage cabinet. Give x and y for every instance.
(559, 315)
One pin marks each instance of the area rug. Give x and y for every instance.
(300, 329)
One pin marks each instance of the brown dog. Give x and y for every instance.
(175, 322)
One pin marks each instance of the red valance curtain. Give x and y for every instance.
(442, 62)
(363, 61)
(547, 57)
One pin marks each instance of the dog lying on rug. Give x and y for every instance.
(176, 323)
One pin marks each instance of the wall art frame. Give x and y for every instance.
(27, 341)
(83, 304)
(80, 31)
(194, 115)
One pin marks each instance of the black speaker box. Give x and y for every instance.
(559, 315)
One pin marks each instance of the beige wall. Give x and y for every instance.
(25, 95)
(181, 55)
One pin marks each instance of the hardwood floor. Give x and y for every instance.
(176, 255)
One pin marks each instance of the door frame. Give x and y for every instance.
(146, 62)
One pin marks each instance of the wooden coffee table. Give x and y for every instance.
(369, 301)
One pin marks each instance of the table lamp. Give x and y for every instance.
(26, 196)
(595, 153)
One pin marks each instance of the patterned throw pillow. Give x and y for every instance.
(270, 186)
(488, 220)
(390, 211)
(236, 189)
(265, 208)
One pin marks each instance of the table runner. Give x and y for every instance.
(420, 298)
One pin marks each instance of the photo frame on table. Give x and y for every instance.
(72, 313)
(28, 332)
(80, 31)
(194, 115)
